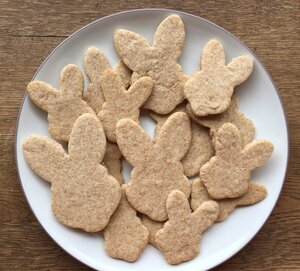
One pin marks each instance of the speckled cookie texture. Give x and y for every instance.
(95, 63)
(158, 61)
(121, 103)
(231, 115)
(179, 239)
(153, 227)
(64, 106)
(84, 195)
(157, 169)
(226, 175)
(209, 90)
(255, 193)
(201, 148)
(125, 236)
(112, 161)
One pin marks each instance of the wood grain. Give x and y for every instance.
(30, 30)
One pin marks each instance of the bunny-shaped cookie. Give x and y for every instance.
(95, 63)
(64, 106)
(179, 238)
(232, 115)
(156, 163)
(125, 235)
(255, 193)
(209, 90)
(121, 103)
(158, 61)
(83, 194)
(226, 175)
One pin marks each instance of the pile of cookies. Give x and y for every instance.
(200, 131)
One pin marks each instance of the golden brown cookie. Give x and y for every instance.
(201, 148)
(95, 63)
(226, 175)
(121, 103)
(158, 61)
(64, 106)
(125, 236)
(209, 90)
(157, 169)
(179, 239)
(255, 193)
(83, 194)
(112, 161)
(232, 115)
(153, 227)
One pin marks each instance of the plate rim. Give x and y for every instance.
(149, 10)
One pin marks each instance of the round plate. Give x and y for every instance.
(258, 99)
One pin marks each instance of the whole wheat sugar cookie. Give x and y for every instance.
(125, 236)
(95, 63)
(255, 193)
(157, 169)
(226, 175)
(231, 115)
(153, 227)
(64, 106)
(201, 148)
(158, 61)
(179, 239)
(121, 103)
(209, 90)
(84, 195)
(112, 161)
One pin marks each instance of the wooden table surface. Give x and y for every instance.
(30, 30)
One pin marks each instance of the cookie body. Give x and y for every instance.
(125, 236)
(158, 61)
(156, 163)
(255, 193)
(209, 90)
(84, 195)
(179, 239)
(226, 175)
(64, 106)
(231, 115)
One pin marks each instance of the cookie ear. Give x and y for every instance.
(71, 81)
(95, 63)
(256, 153)
(45, 156)
(227, 141)
(112, 86)
(133, 49)
(213, 55)
(240, 69)
(87, 140)
(124, 72)
(174, 136)
(169, 37)
(205, 215)
(41, 94)
(133, 142)
(140, 91)
(256, 192)
(178, 207)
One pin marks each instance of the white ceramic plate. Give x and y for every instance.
(258, 99)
